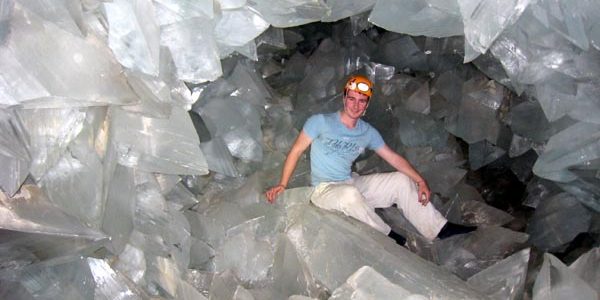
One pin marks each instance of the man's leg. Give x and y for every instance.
(347, 199)
(385, 189)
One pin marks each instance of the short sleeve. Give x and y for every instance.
(376, 140)
(313, 126)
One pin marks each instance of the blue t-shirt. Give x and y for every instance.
(335, 146)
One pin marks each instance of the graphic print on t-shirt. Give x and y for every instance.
(340, 146)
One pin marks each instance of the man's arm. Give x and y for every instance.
(402, 165)
(302, 142)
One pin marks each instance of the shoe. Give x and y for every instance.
(400, 240)
(451, 229)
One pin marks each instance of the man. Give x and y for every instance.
(337, 140)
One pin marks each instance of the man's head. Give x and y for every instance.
(360, 84)
(357, 92)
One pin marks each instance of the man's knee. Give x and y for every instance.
(402, 183)
(349, 197)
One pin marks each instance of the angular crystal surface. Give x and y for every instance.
(474, 252)
(288, 13)
(557, 220)
(431, 18)
(505, 279)
(484, 20)
(93, 75)
(575, 146)
(193, 48)
(116, 167)
(134, 35)
(483, 153)
(14, 152)
(238, 123)
(148, 143)
(324, 241)
(238, 27)
(110, 284)
(366, 283)
(586, 268)
(468, 207)
(556, 281)
(245, 254)
(30, 220)
(476, 119)
(119, 208)
(339, 9)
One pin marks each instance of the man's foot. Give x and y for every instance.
(400, 240)
(451, 229)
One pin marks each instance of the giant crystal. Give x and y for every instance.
(31, 223)
(431, 18)
(476, 251)
(556, 281)
(325, 241)
(557, 220)
(157, 145)
(574, 147)
(585, 268)
(484, 20)
(193, 48)
(366, 283)
(134, 35)
(546, 56)
(86, 64)
(505, 279)
(237, 122)
(14, 152)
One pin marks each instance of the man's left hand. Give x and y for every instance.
(424, 192)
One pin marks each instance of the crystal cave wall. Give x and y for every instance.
(138, 137)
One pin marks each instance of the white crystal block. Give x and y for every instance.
(578, 145)
(435, 18)
(39, 58)
(289, 13)
(243, 252)
(340, 9)
(110, 284)
(237, 122)
(134, 35)
(556, 281)
(75, 185)
(505, 279)
(51, 131)
(173, 11)
(331, 248)
(238, 27)
(62, 13)
(30, 219)
(366, 283)
(193, 48)
(168, 146)
(473, 252)
(218, 157)
(484, 21)
(468, 207)
(119, 208)
(557, 221)
(586, 267)
(14, 153)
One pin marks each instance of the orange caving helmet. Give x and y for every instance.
(361, 84)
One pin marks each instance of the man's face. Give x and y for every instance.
(355, 104)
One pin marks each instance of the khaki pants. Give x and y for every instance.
(358, 197)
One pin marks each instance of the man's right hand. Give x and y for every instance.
(273, 192)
